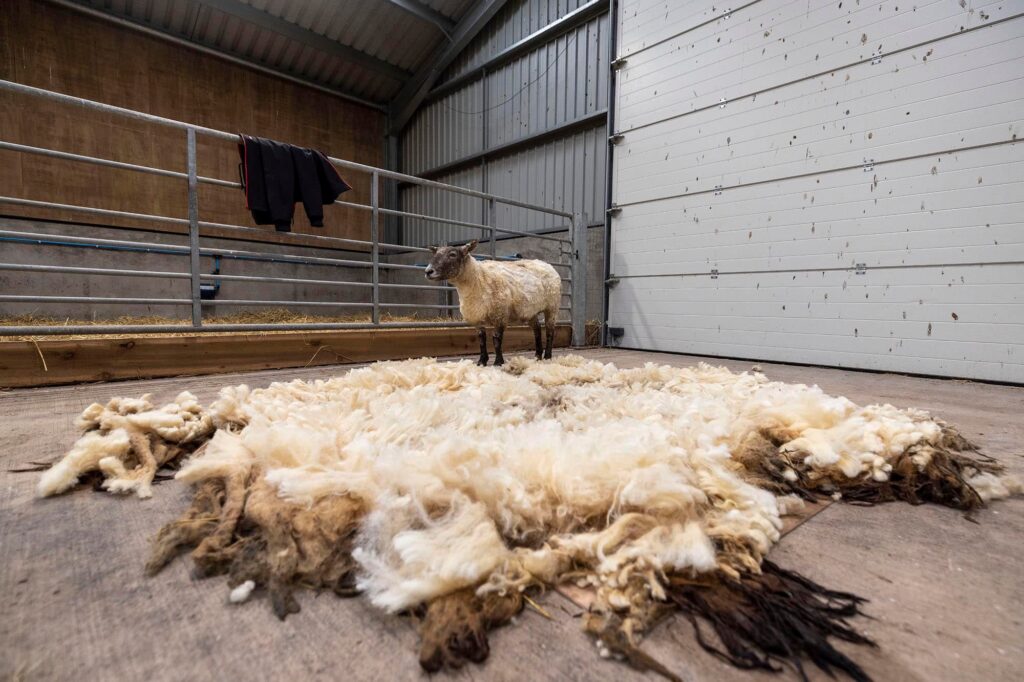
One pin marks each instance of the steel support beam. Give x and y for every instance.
(573, 19)
(428, 14)
(578, 285)
(415, 89)
(567, 128)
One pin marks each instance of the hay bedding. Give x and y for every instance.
(450, 491)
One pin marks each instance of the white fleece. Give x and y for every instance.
(505, 478)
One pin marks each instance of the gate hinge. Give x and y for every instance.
(618, 63)
(616, 138)
(862, 269)
(611, 282)
(614, 210)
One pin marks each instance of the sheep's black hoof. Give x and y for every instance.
(499, 362)
(482, 362)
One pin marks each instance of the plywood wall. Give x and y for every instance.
(58, 49)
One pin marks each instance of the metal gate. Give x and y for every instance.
(572, 265)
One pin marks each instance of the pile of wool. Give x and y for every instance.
(451, 490)
(132, 432)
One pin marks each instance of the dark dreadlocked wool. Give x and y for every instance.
(451, 491)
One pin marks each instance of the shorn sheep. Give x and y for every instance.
(496, 294)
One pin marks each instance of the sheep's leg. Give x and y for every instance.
(499, 334)
(537, 342)
(550, 317)
(482, 333)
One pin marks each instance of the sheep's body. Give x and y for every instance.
(497, 294)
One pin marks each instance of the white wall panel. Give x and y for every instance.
(949, 94)
(771, 43)
(785, 316)
(838, 209)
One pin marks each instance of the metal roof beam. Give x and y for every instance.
(569, 22)
(305, 36)
(213, 51)
(428, 14)
(412, 93)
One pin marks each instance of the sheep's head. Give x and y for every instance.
(448, 262)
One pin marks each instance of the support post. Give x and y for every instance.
(193, 228)
(375, 243)
(578, 286)
(492, 221)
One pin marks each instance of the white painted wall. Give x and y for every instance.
(771, 147)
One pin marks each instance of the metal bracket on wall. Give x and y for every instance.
(862, 269)
(616, 138)
(869, 165)
(877, 59)
(619, 63)
(722, 102)
(614, 211)
(718, 190)
(714, 273)
(611, 282)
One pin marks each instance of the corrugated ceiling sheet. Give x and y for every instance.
(378, 28)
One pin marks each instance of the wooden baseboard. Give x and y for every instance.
(149, 357)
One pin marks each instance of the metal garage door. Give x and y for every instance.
(829, 182)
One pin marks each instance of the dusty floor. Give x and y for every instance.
(946, 594)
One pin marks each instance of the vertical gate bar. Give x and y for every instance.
(492, 222)
(375, 243)
(193, 228)
(578, 287)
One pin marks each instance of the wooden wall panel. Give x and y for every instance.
(57, 49)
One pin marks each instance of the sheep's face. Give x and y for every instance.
(448, 262)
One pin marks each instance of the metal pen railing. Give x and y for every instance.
(576, 243)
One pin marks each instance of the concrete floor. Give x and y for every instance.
(946, 594)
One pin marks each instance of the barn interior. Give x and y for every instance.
(823, 194)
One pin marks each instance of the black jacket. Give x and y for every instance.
(276, 175)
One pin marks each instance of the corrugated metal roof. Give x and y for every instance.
(378, 29)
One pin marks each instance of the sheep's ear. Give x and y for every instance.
(468, 248)
(433, 249)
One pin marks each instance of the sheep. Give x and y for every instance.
(496, 294)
